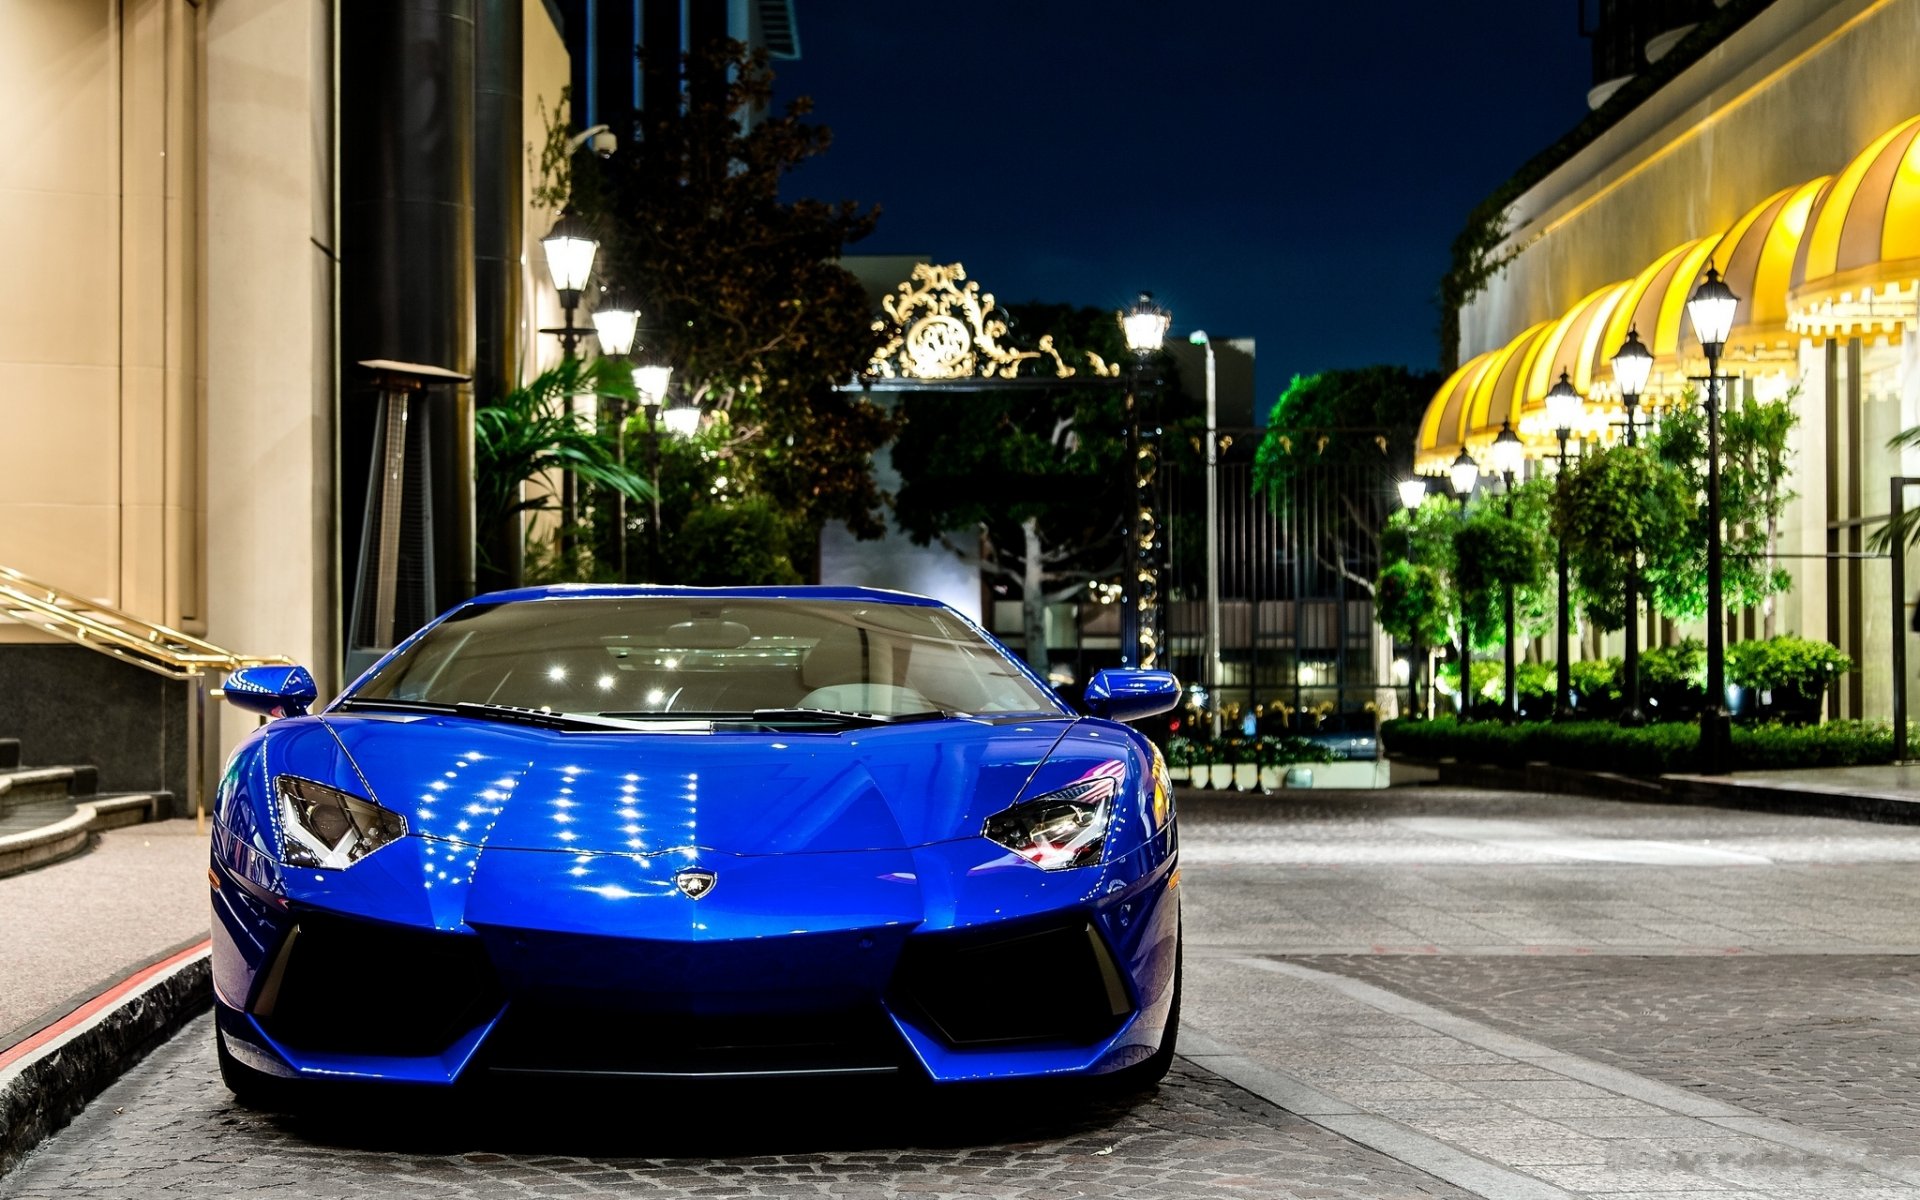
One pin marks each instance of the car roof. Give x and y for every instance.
(575, 591)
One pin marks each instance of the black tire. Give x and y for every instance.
(1144, 1075)
(254, 1089)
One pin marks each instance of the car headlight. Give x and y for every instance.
(1064, 828)
(325, 827)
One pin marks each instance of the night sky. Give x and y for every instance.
(1294, 171)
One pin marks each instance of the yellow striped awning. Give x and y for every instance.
(1857, 265)
(1756, 257)
(1495, 398)
(1573, 345)
(1656, 304)
(1441, 429)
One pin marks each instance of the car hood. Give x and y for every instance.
(510, 787)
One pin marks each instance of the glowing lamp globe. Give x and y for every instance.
(1711, 309)
(1632, 365)
(651, 380)
(683, 421)
(570, 249)
(616, 320)
(1565, 407)
(1508, 454)
(1413, 491)
(1463, 474)
(1145, 324)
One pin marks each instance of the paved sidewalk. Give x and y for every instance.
(69, 930)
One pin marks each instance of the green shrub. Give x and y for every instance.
(1282, 750)
(1596, 683)
(1648, 750)
(1785, 663)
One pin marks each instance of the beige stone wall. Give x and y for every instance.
(269, 295)
(1791, 96)
(100, 356)
(547, 70)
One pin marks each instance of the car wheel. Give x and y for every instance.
(253, 1089)
(1144, 1075)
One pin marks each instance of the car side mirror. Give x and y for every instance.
(271, 691)
(1132, 695)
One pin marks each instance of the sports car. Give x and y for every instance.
(674, 832)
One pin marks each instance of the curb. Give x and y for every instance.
(48, 1078)
(1803, 800)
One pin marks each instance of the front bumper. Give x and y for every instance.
(955, 962)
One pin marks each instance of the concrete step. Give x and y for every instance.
(39, 832)
(19, 785)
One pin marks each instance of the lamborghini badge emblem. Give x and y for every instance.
(694, 882)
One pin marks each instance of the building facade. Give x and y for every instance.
(1778, 142)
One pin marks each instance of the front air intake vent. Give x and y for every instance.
(1048, 984)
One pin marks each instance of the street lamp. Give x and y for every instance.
(1413, 493)
(651, 375)
(1565, 410)
(1144, 325)
(1632, 366)
(1463, 474)
(1711, 310)
(570, 250)
(616, 321)
(1199, 338)
(1509, 456)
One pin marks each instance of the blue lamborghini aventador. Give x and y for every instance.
(624, 831)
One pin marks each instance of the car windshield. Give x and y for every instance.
(708, 657)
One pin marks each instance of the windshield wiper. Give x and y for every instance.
(789, 716)
(545, 718)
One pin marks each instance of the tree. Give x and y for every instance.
(1617, 506)
(1037, 473)
(740, 290)
(1754, 468)
(1347, 435)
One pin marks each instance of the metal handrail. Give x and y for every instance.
(151, 647)
(156, 648)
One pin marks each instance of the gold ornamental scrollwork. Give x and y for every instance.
(939, 325)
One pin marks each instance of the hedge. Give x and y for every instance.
(1648, 750)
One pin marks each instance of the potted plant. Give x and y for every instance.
(1246, 764)
(1179, 758)
(1673, 680)
(1200, 761)
(1784, 678)
(1272, 761)
(1220, 766)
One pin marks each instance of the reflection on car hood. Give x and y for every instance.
(513, 787)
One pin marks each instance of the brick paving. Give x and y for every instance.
(1829, 1043)
(170, 1128)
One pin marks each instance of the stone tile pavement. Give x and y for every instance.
(170, 1128)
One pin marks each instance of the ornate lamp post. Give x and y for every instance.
(651, 377)
(616, 320)
(1632, 364)
(1711, 310)
(1413, 493)
(1145, 327)
(1565, 409)
(570, 250)
(1463, 474)
(1509, 456)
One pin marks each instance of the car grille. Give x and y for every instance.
(1046, 984)
(562, 1039)
(346, 986)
